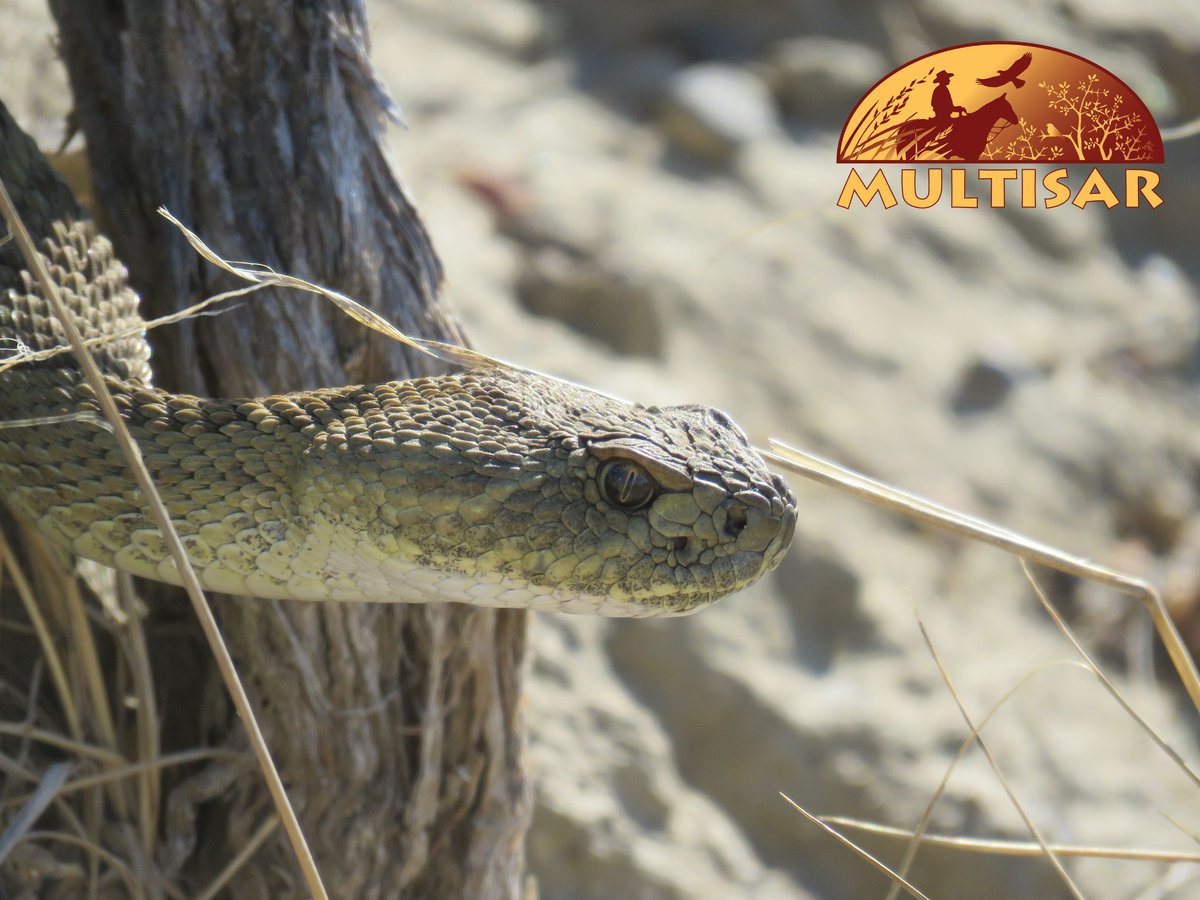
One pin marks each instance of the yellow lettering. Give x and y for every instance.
(908, 188)
(1028, 188)
(1141, 183)
(865, 193)
(958, 190)
(1053, 182)
(1095, 188)
(998, 178)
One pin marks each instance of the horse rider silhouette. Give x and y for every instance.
(944, 107)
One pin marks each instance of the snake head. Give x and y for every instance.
(502, 488)
(690, 512)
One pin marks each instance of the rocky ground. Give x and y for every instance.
(640, 195)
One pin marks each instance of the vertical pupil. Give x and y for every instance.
(625, 484)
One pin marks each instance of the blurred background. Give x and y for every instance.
(639, 195)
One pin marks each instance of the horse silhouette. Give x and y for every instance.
(962, 138)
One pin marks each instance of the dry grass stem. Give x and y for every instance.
(875, 863)
(117, 864)
(264, 276)
(1020, 808)
(1027, 550)
(31, 811)
(103, 755)
(117, 773)
(89, 674)
(1107, 682)
(1191, 835)
(264, 831)
(58, 672)
(922, 510)
(161, 517)
(137, 654)
(1000, 847)
(82, 416)
(22, 354)
(918, 833)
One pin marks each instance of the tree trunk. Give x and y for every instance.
(259, 123)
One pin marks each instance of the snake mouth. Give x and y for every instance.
(778, 548)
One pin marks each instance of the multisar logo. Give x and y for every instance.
(999, 103)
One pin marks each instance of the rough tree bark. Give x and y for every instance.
(259, 123)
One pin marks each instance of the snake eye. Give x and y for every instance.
(626, 484)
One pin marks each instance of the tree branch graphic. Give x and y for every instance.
(1096, 122)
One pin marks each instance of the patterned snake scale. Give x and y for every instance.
(487, 486)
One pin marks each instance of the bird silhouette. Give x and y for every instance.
(1004, 76)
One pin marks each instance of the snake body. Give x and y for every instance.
(486, 486)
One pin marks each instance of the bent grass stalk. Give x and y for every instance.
(995, 766)
(896, 877)
(161, 517)
(1027, 550)
(819, 469)
(1013, 848)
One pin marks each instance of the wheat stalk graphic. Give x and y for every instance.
(877, 126)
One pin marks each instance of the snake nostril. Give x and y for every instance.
(735, 521)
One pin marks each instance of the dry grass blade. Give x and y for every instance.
(922, 510)
(24, 820)
(926, 511)
(82, 416)
(1191, 835)
(116, 863)
(46, 642)
(264, 831)
(881, 866)
(149, 739)
(82, 837)
(183, 757)
(1020, 808)
(266, 277)
(23, 354)
(262, 276)
(161, 517)
(103, 755)
(1107, 682)
(1170, 884)
(89, 674)
(918, 833)
(999, 847)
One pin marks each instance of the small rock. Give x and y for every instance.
(821, 78)
(711, 110)
(640, 79)
(517, 28)
(985, 384)
(602, 303)
(830, 618)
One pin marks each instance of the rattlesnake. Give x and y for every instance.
(490, 486)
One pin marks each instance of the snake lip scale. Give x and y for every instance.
(489, 486)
